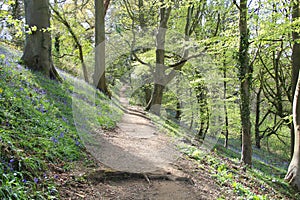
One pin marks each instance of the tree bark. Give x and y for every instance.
(142, 22)
(293, 174)
(99, 75)
(245, 79)
(159, 74)
(226, 132)
(295, 63)
(37, 51)
(257, 118)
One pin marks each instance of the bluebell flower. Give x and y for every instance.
(42, 109)
(77, 143)
(54, 140)
(24, 180)
(64, 119)
(61, 135)
(36, 180)
(43, 92)
(7, 62)
(56, 176)
(19, 67)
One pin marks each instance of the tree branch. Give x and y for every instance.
(235, 3)
(177, 66)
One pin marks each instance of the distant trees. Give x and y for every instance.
(62, 19)
(37, 51)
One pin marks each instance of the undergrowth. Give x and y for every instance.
(37, 131)
(261, 181)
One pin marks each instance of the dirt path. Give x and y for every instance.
(141, 163)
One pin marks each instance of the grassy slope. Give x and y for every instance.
(37, 130)
(262, 181)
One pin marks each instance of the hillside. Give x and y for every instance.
(38, 135)
(44, 148)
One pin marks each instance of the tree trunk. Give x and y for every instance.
(178, 110)
(37, 51)
(295, 63)
(147, 90)
(293, 174)
(99, 75)
(245, 78)
(225, 104)
(159, 74)
(141, 15)
(257, 118)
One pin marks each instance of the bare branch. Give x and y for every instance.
(177, 66)
(140, 61)
(235, 3)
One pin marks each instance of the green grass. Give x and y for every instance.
(262, 181)
(37, 130)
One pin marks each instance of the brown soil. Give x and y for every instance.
(137, 162)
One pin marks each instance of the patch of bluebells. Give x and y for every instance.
(61, 135)
(64, 119)
(8, 166)
(77, 143)
(36, 180)
(54, 140)
(42, 109)
(19, 67)
(40, 91)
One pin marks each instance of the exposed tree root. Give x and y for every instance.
(109, 175)
(293, 177)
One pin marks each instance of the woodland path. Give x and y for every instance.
(141, 163)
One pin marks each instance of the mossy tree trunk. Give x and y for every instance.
(245, 79)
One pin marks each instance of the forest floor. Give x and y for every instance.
(138, 159)
(139, 162)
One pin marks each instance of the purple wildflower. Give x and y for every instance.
(19, 67)
(64, 119)
(77, 143)
(54, 140)
(36, 180)
(61, 135)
